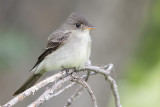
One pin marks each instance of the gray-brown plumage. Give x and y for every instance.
(54, 43)
(29, 83)
(69, 46)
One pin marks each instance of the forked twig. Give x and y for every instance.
(49, 92)
(78, 91)
(88, 88)
(36, 87)
(65, 76)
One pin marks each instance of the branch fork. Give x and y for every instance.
(65, 76)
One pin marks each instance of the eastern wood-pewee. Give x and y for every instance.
(67, 47)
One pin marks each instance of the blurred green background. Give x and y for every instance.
(127, 35)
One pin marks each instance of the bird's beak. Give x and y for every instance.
(90, 27)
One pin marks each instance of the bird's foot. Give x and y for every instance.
(65, 69)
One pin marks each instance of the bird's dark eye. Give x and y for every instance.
(78, 25)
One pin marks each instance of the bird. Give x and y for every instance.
(67, 47)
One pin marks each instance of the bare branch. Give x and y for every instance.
(84, 84)
(64, 89)
(114, 90)
(74, 96)
(106, 72)
(64, 76)
(81, 88)
(49, 92)
(78, 91)
(36, 87)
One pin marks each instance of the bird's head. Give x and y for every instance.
(77, 22)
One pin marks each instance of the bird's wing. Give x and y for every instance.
(55, 41)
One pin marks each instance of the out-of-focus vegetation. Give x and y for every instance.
(14, 48)
(141, 86)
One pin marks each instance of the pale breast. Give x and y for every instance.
(74, 53)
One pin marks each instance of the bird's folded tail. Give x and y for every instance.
(29, 83)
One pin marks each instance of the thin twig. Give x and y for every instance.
(36, 87)
(49, 92)
(64, 89)
(114, 90)
(84, 84)
(74, 96)
(112, 82)
(63, 74)
(78, 91)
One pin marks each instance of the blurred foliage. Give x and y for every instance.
(148, 54)
(140, 86)
(14, 48)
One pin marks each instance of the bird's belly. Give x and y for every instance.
(68, 57)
